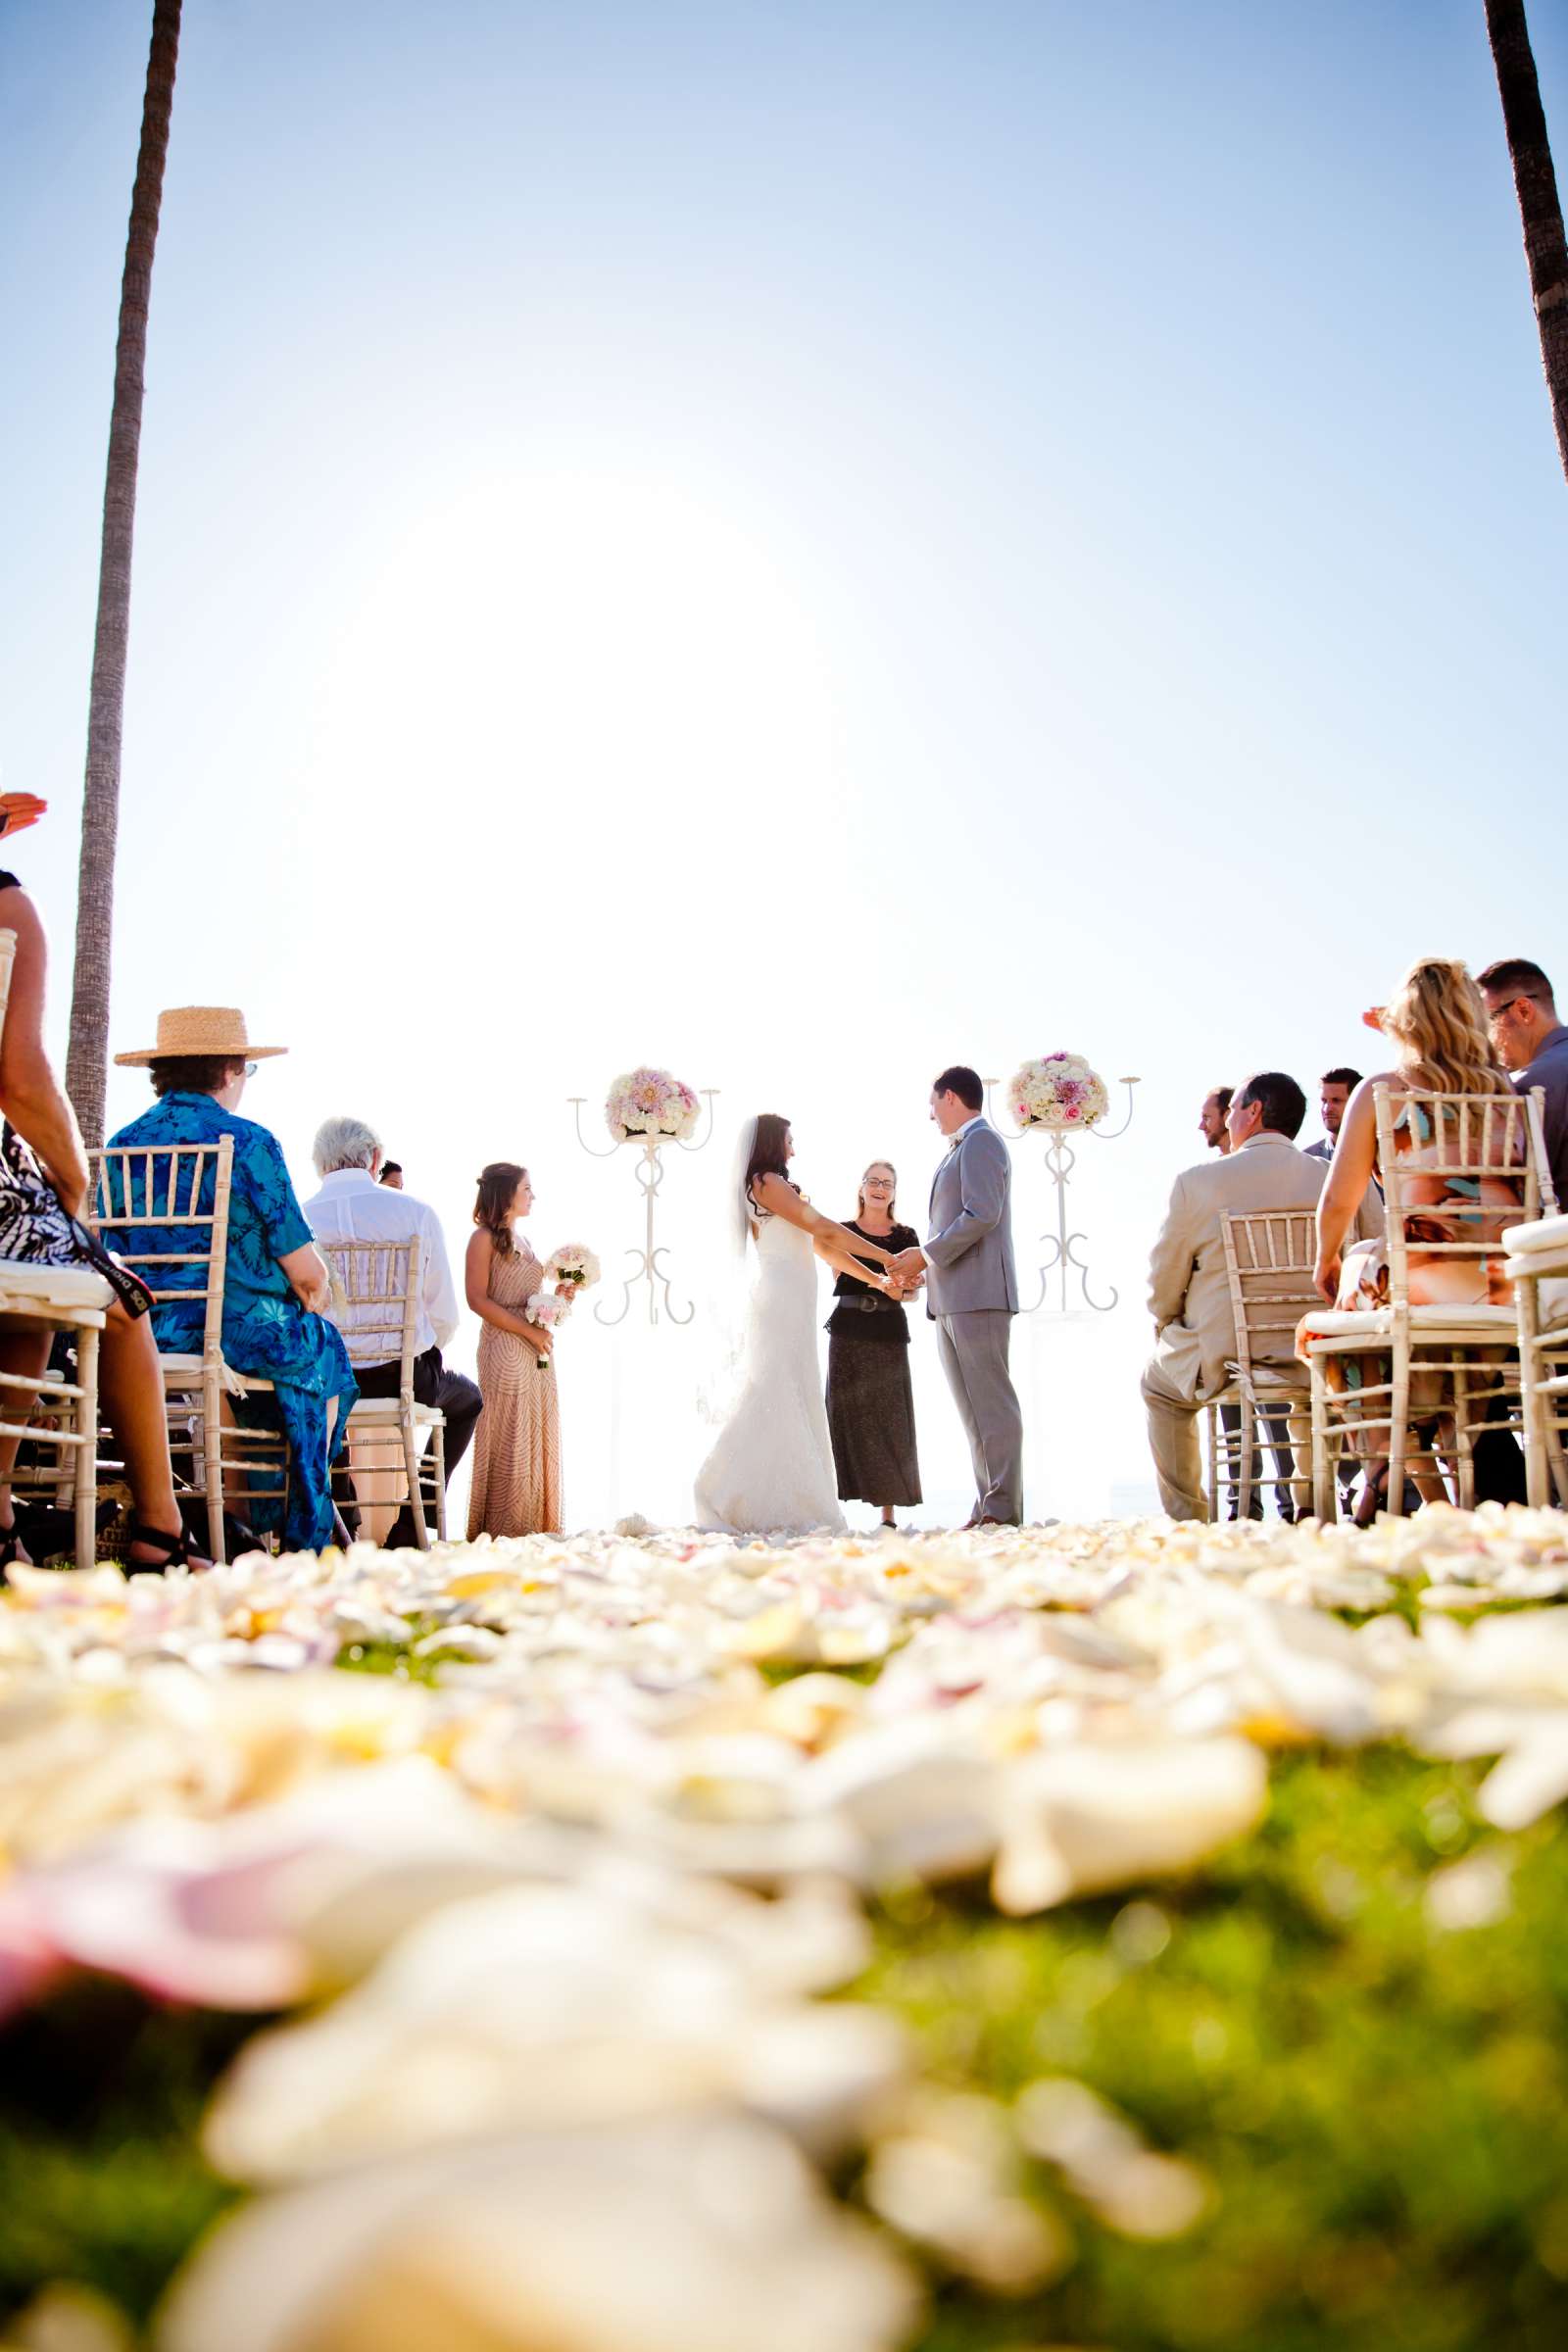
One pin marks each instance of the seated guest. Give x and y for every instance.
(1213, 1117)
(1216, 1135)
(1335, 1088)
(43, 1187)
(1436, 1022)
(355, 1204)
(392, 1175)
(275, 1284)
(1189, 1293)
(1531, 1044)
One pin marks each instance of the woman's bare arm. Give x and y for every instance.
(783, 1201)
(1350, 1173)
(476, 1286)
(32, 1097)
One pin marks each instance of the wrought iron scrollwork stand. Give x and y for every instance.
(1064, 1260)
(649, 1168)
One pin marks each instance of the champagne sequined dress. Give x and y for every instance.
(516, 1447)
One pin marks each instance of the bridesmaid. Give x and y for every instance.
(870, 1403)
(516, 1453)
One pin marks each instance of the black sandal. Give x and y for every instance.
(175, 1549)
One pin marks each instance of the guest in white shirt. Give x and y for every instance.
(354, 1205)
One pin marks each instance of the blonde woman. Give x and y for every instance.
(1437, 1025)
(870, 1402)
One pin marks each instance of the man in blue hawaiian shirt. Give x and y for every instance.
(275, 1282)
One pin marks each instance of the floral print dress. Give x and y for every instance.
(1444, 1207)
(266, 1332)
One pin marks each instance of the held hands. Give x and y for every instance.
(903, 1275)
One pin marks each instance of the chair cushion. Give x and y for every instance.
(186, 1371)
(1337, 1326)
(26, 1283)
(368, 1410)
(1544, 1232)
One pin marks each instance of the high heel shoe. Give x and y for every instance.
(175, 1550)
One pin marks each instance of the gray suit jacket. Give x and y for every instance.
(969, 1252)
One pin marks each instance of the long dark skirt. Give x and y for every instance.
(871, 1414)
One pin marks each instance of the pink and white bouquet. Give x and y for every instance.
(650, 1102)
(1059, 1090)
(572, 1268)
(549, 1310)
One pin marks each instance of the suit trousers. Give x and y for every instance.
(1173, 1443)
(457, 1396)
(973, 1347)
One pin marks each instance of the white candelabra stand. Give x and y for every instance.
(649, 1173)
(1064, 1260)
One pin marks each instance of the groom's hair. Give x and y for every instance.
(1283, 1103)
(964, 1082)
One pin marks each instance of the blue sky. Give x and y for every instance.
(794, 541)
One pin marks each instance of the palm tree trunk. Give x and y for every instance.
(87, 1054)
(1524, 120)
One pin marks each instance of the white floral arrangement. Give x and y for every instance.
(650, 1102)
(572, 1268)
(1059, 1090)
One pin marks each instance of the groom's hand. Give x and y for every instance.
(907, 1268)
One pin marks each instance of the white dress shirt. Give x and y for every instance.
(953, 1141)
(351, 1206)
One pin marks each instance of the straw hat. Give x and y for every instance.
(200, 1030)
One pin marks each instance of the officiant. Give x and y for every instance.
(871, 1402)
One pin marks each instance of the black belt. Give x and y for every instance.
(868, 1302)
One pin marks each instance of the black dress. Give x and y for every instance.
(870, 1403)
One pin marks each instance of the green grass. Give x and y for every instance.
(1379, 2103)
(101, 2179)
(1382, 2106)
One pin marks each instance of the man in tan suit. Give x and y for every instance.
(1188, 1295)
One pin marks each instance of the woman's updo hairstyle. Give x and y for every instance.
(498, 1189)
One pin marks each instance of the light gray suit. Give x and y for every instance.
(972, 1295)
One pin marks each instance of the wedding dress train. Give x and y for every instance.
(770, 1471)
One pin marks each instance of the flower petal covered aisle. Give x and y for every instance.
(543, 1902)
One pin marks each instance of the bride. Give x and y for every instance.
(771, 1470)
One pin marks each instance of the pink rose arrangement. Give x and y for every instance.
(1059, 1090)
(649, 1101)
(548, 1310)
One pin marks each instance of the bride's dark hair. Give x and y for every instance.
(768, 1151)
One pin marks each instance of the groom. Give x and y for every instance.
(973, 1292)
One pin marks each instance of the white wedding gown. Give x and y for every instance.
(772, 1472)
